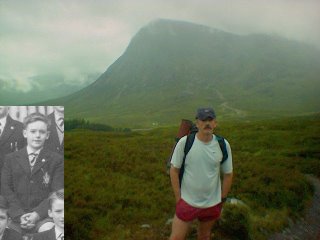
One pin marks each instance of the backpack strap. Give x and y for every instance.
(187, 147)
(223, 147)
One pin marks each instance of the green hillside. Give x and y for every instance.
(170, 68)
(117, 182)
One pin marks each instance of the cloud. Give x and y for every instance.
(75, 38)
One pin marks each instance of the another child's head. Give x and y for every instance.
(4, 218)
(56, 208)
(36, 132)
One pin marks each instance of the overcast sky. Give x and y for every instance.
(79, 37)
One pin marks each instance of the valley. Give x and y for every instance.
(124, 184)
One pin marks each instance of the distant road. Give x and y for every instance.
(141, 129)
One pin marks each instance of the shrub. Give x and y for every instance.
(235, 221)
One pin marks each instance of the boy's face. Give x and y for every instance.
(3, 220)
(36, 134)
(57, 213)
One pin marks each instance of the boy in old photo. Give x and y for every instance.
(30, 175)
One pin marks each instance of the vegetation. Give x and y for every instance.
(236, 221)
(117, 181)
(85, 124)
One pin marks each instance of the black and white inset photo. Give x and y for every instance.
(32, 172)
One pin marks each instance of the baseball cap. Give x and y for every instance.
(205, 113)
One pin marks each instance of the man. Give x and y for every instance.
(201, 194)
(30, 175)
(11, 137)
(55, 141)
(56, 211)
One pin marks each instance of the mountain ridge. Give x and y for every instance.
(171, 67)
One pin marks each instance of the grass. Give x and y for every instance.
(116, 182)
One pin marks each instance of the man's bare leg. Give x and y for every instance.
(179, 229)
(204, 230)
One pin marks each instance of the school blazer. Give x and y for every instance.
(46, 235)
(28, 191)
(11, 139)
(10, 234)
(53, 142)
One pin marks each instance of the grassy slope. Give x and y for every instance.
(116, 182)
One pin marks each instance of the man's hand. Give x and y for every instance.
(29, 220)
(24, 221)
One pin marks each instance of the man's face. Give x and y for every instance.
(36, 134)
(3, 111)
(206, 126)
(3, 220)
(57, 213)
(59, 109)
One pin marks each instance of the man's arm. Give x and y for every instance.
(176, 162)
(174, 176)
(226, 184)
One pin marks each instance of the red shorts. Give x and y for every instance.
(187, 213)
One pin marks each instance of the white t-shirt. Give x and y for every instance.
(201, 184)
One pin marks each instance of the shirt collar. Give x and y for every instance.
(58, 232)
(29, 151)
(3, 122)
(57, 115)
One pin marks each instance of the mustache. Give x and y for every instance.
(207, 127)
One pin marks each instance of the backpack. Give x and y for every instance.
(188, 128)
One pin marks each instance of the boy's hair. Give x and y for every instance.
(58, 195)
(33, 117)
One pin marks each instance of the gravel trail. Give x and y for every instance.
(307, 228)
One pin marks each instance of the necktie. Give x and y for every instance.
(32, 159)
(61, 237)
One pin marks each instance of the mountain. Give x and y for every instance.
(43, 87)
(172, 67)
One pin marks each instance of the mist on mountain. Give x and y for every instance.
(172, 67)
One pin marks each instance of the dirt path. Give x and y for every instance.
(238, 112)
(307, 228)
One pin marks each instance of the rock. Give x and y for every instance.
(236, 201)
(169, 221)
(145, 226)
